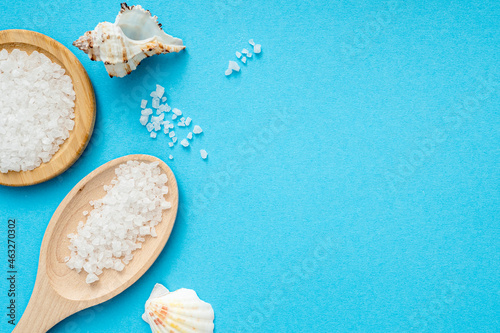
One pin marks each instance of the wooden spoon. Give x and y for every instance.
(60, 291)
(73, 147)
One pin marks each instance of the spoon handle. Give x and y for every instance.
(45, 309)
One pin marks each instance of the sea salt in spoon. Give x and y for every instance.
(59, 291)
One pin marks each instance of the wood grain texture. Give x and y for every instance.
(85, 109)
(60, 291)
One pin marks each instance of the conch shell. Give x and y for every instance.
(122, 45)
(180, 311)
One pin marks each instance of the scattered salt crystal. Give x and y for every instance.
(144, 103)
(251, 42)
(184, 143)
(146, 112)
(144, 120)
(181, 124)
(228, 71)
(164, 99)
(171, 134)
(190, 135)
(188, 121)
(170, 144)
(177, 111)
(238, 54)
(197, 129)
(166, 129)
(85, 213)
(153, 135)
(244, 60)
(153, 94)
(244, 51)
(156, 103)
(203, 153)
(234, 66)
(174, 139)
(174, 116)
(150, 127)
(170, 157)
(159, 91)
(257, 48)
(249, 55)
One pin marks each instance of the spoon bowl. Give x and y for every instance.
(60, 291)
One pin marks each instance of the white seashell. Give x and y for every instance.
(177, 312)
(122, 45)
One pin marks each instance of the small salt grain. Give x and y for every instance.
(159, 91)
(177, 111)
(171, 134)
(153, 94)
(249, 55)
(153, 135)
(146, 112)
(150, 127)
(184, 143)
(244, 51)
(188, 121)
(197, 129)
(234, 66)
(190, 135)
(244, 60)
(251, 42)
(174, 116)
(144, 103)
(203, 153)
(174, 139)
(85, 213)
(144, 120)
(170, 157)
(257, 48)
(238, 54)
(156, 103)
(170, 144)
(164, 99)
(228, 71)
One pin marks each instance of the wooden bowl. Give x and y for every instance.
(74, 145)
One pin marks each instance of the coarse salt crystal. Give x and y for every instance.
(159, 91)
(234, 66)
(197, 129)
(144, 103)
(228, 71)
(170, 157)
(153, 135)
(188, 121)
(257, 48)
(190, 135)
(203, 154)
(184, 143)
(251, 42)
(238, 54)
(244, 60)
(177, 111)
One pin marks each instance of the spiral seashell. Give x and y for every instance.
(122, 45)
(180, 311)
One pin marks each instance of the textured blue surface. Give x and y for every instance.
(347, 187)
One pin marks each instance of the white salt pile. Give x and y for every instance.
(36, 109)
(155, 123)
(120, 221)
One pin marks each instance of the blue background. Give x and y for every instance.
(347, 187)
